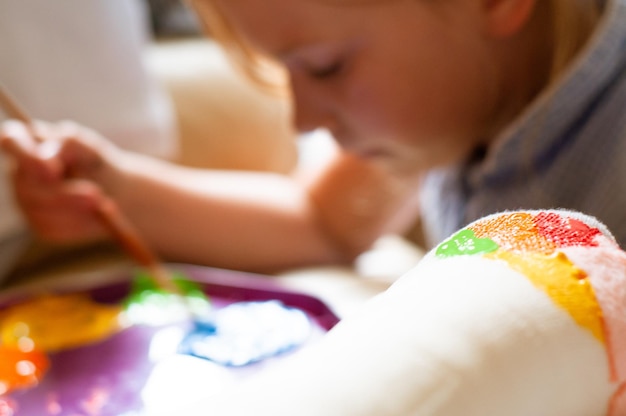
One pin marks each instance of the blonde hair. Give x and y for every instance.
(257, 67)
(573, 22)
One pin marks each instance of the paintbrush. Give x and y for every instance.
(109, 214)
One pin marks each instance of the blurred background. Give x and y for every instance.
(142, 73)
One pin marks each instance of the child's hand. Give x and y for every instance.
(57, 173)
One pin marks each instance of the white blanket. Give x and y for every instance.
(520, 314)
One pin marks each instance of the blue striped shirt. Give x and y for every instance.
(567, 150)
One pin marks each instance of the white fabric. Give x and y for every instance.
(464, 335)
(461, 337)
(83, 60)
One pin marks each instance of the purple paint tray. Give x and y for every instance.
(138, 369)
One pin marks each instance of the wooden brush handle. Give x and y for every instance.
(11, 108)
(128, 237)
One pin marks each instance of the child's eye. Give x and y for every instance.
(326, 71)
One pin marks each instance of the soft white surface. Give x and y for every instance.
(460, 337)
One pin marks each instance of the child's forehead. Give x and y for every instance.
(278, 26)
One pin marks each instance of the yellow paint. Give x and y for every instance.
(565, 283)
(56, 322)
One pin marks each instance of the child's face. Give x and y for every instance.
(408, 81)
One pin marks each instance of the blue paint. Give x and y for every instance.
(247, 332)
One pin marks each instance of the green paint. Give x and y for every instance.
(143, 284)
(146, 300)
(465, 242)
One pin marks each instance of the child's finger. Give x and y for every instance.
(17, 143)
(34, 159)
(48, 143)
(65, 211)
(84, 192)
(84, 197)
(16, 139)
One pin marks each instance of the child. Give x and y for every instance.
(488, 105)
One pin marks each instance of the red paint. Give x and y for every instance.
(565, 232)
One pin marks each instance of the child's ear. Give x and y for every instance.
(506, 17)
